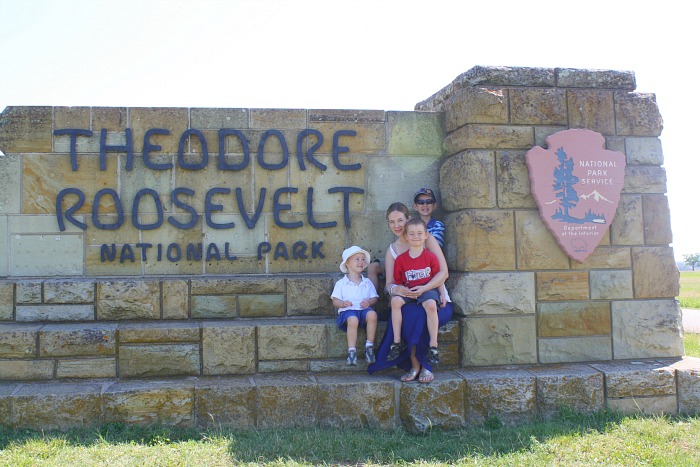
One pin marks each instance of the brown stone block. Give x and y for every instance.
(513, 181)
(157, 332)
(57, 406)
(214, 306)
(6, 391)
(213, 118)
(611, 285)
(228, 348)
(95, 266)
(657, 220)
(370, 138)
(644, 179)
(470, 178)
(562, 285)
(25, 370)
(356, 402)
(506, 76)
(262, 284)
(538, 106)
(574, 349)
(310, 295)
(507, 394)
(26, 129)
(242, 265)
(55, 313)
(7, 300)
(109, 118)
(18, 340)
(509, 340)
(261, 306)
(347, 115)
(535, 246)
(476, 105)
(161, 181)
(473, 136)
(591, 109)
(638, 379)
(415, 133)
(150, 402)
(10, 196)
(658, 405)
(637, 114)
(128, 299)
(585, 78)
(643, 151)
(187, 260)
(576, 387)
(655, 272)
(647, 329)
(292, 340)
(74, 340)
(497, 293)
(688, 376)
(28, 292)
(69, 291)
(202, 180)
(441, 403)
(147, 360)
(72, 117)
(584, 318)
(175, 299)
(480, 240)
(627, 226)
(87, 368)
(228, 402)
(287, 366)
(277, 118)
(127, 233)
(284, 401)
(142, 119)
(606, 257)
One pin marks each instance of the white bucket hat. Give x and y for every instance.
(348, 252)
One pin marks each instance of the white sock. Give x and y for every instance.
(369, 344)
(351, 348)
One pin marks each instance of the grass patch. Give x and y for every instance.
(602, 438)
(690, 289)
(691, 343)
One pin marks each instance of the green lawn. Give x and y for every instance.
(690, 289)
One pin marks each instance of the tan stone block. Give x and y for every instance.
(392, 178)
(150, 402)
(228, 349)
(493, 293)
(499, 340)
(562, 285)
(646, 329)
(94, 266)
(264, 284)
(147, 360)
(658, 405)
(415, 133)
(476, 105)
(627, 226)
(242, 265)
(616, 143)
(470, 178)
(591, 109)
(277, 118)
(127, 233)
(6, 391)
(644, 151)
(538, 106)
(26, 370)
(507, 394)
(370, 138)
(87, 368)
(585, 78)
(28, 292)
(287, 366)
(638, 379)
(563, 319)
(55, 313)
(611, 285)
(161, 181)
(512, 181)
(69, 291)
(74, 340)
(354, 401)
(372, 233)
(72, 117)
(109, 118)
(644, 179)
(637, 114)
(4, 268)
(284, 401)
(214, 306)
(175, 120)
(473, 136)
(10, 179)
(228, 402)
(175, 299)
(574, 349)
(338, 342)
(18, 340)
(535, 246)
(232, 245)
(607, 257)
(657, 220)
(261, 306)
(542, 132)
(440, 404)
(7, 299)
(655, 272)
(688, 376)
(26, 129)
(480, 240)
(57, 406)
(128, 299)
(187, 260)
(292, 340)
(46, 255)
(310, 295)
(576, 387)
(158, 332)
(213, 118)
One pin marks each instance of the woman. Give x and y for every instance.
(414, 329)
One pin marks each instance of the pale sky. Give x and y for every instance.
(338, 54)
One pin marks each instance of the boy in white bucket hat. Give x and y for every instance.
(354, 296)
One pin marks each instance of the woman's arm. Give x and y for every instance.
(389, 269)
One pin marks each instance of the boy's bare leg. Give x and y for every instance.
(352, 331)
(396, 317)
(371, 325)
(431, 312)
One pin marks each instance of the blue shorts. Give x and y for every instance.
(361, 315)
(431, 294)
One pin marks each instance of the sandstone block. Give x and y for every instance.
(64, 291)
(150, 402)
(499, 340)
(657, 220)
(441, 404)
(493, 293)
(637, 379)
(644, 179)
(158, 332)
(129, 299)
(211, 118)
(286, 400)
(591, 109)
(637, 114)
(292, 340)
(470, 178)
(574, 349)
(576, 387)
(530, 106)
(473, 136)
(55, 313)
(25, 370)
(347, 115)
(109, 118)
(26, 129)
(476, 105)
(147, 360)
(355, 401)
(370, 138)
(396, 178)
(28, 292)
(583, 318)
(287, 366)
(226, 402)
(175, 299)
(513, 181)
(611, 285)
(69, 340)
(655, 272)
(18, 340)
(56, 406)
(6, 391)
(562, 285)
(583, 78)
(310, 295)
(604, 257)
(46, 255)
(144, 118)
(505, 393)
(72, 117)
(644, 151)
(7, 299)
(535, 246)
(10, 176)
(276, 118)
(688, 376)
(646, 329)
(480, 240)
(260, 306)
(415, 133)
(507, 76)
(87, 368)
(214, 306)
(656, 405)
(228, 349)
(627, 226)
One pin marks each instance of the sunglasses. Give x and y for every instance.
(425, 201)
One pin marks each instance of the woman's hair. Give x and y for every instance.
(400, 207)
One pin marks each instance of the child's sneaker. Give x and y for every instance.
(395, 350)
(369, 354)
(352, 358)
(433, 356)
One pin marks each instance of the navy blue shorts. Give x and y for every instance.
(361, 315)
(431, 294)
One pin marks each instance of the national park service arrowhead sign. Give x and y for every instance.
(576, 184)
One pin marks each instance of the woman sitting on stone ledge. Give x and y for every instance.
(414, 329)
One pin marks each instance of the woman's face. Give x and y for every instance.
(397, 222)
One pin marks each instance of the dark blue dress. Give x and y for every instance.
(414, 332)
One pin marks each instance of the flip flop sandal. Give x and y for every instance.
(410, 376)
(426, 376)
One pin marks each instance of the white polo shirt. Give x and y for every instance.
(345, 289)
